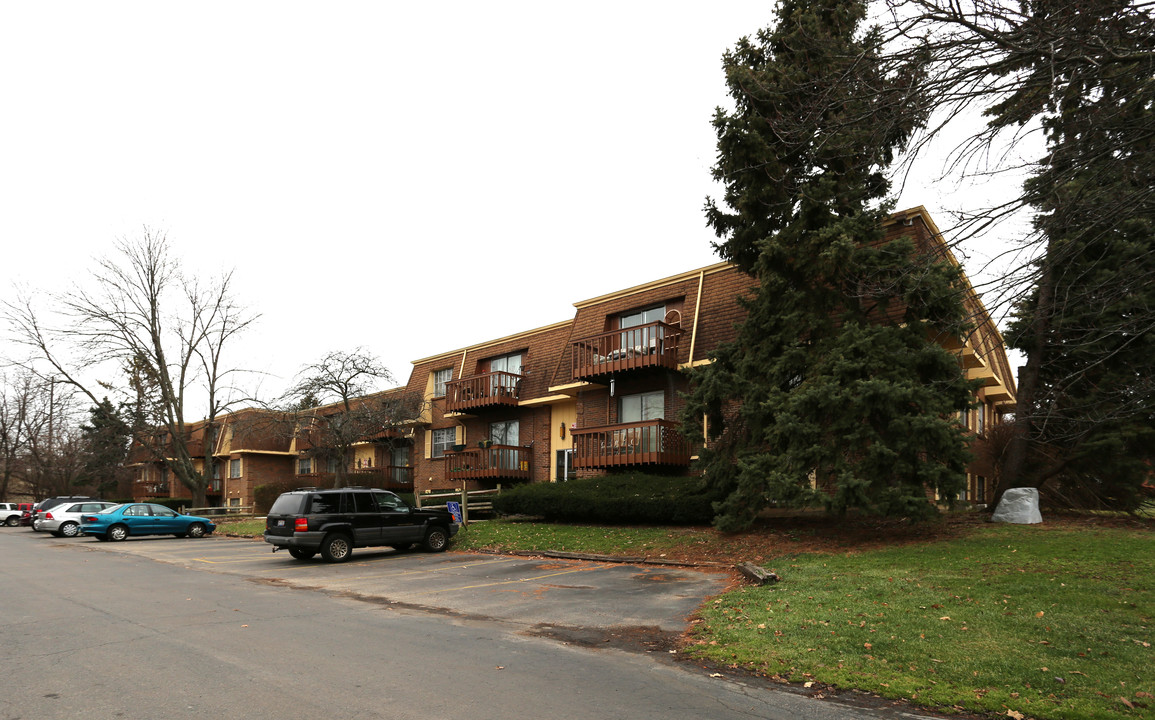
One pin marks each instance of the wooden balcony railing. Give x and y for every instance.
(492, 389)
(496, 462)
(386, 477)
(654, 345)
(145, 488)
(649, 442)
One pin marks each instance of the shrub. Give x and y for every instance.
(614, 499)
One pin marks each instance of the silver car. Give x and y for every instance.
(64, 519)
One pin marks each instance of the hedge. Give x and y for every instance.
(614, 499)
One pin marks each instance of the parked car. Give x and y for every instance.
(120, 521)
(10, 513)
(333, 522)
(47, 504)
(64, 519)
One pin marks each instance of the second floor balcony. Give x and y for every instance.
(496, 462)
(491, 389)
(654, 345)
(649, 442)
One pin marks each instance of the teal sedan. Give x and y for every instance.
(120, 521)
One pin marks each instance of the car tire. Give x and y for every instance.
(336, 547)
(301, 554)
(116, 533)
(12, 521)
(68, 529)
(101, 538)
(197, 530)
(403, 547)
(436, 539)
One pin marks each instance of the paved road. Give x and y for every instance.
(167, 628)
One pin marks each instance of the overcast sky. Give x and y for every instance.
(411, 178)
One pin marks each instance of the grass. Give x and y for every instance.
(1050, 621)
(1046, 623)
(251, 526)
(506, 536)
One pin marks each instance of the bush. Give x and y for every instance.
(614, 499)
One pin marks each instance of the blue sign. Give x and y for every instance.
(454, 510)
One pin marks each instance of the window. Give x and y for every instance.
(643, 406)
(234, 502)
(506, 363)
(331, 465)
(980, 489)
(235, 468)
(981, 418)
(504, 433)
(304, 466)
(216, 471)
(642, 317)
(443, 439)
(440, 377)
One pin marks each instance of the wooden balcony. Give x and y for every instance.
(151, 489)
(386, 477)
(496, 462)
(649, 442)
(654, 345)
(487, 390)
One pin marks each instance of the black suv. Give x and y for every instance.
(333, 522)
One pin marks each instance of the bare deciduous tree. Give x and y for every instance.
(164, 331)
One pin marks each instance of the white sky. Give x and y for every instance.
(411, 178)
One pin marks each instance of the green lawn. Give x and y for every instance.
(1049, 623)
(1046, 621)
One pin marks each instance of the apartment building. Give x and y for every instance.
(597, 393)
(602, 392)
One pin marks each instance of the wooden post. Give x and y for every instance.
(464, 504)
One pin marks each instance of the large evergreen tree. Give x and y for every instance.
(1086, 420)
(833, 390)
(105, 438)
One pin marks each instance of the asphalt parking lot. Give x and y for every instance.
(545, 593)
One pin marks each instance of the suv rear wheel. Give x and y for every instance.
(336, 547)
(301, 554)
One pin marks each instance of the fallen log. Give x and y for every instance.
(760, 575)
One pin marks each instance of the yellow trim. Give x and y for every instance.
(696, 363)
(711, 269)
(546, 400)
(697, 314)
(575, 387)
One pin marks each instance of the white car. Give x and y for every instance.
(64, 519)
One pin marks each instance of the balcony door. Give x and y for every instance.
(639, 408)
(641, 340)
(642, 406)
(504, 384)
(504, 433)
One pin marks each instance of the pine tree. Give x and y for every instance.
(832, 391)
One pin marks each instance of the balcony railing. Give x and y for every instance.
(654, 345)
(492, 389)
(146, 488)
(649, 442)
(386, 477)
(496, 462)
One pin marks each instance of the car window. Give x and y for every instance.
(389, 501)
(161, 511)
(287, 505)
(363, 502)
(137, 510)
(324, 504)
